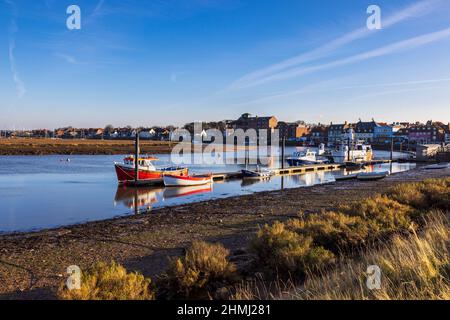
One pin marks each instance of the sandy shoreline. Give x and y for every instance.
(32, 265)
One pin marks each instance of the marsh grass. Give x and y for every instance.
(312, 242)
(413, 267)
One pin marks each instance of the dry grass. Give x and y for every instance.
(110, 282)
(290, 249)
(413, 267)
(204, 269)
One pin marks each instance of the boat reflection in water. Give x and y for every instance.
(144, 199)
(186, 191)
(137, 198)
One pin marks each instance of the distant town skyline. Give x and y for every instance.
(173, 62)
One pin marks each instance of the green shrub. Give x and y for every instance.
(110, 282)
(334, 231)
(279, 250)
(433, 193)
(383, 215)
(201, 271)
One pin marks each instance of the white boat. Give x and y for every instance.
(346, 177)
(185, 181)
(256, 174)
(359, 152)
(370, 176)
(437, 166)
(304, 157)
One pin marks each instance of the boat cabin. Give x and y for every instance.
(300, 154)
(143, 161)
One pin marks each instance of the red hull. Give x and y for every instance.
(125, 174)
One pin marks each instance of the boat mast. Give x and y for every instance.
(348, 149)
(136, 157)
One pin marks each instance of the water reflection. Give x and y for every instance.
(137, 197)
(42, 192)
(180, 192)
(146, 199)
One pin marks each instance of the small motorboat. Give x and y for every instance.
(437, 166)
(185, 181)
(256, 174)
(346, 177)
(371, 176)
(352, 166)
(304, 158)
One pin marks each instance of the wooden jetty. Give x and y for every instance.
(296, 170)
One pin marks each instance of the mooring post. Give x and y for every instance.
(392, 152)
(348, 150)
(283, 146)
(136, 157)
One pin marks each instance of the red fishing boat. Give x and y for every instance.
(147, 172)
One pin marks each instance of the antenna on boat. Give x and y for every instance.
(283, 147)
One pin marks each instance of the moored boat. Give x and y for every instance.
(304, 158)
(371, 176)
(352, 166)
(346, 177)
(256, 174)
(437, 166)
(147, 172)
(184, 181)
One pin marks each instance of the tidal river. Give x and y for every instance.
(46, 191)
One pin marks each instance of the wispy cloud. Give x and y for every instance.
(379, 52)
(20, 85)
(13, 29)
(418, 9)
(68, 58)
(325, 86)
(393, 92)
(397, 84)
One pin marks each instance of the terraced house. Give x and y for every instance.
(365, 131)
(246, 121)
(431, 132)
(336, 132)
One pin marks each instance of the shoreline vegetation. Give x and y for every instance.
(283, 244)
(40, 147)
(47, 146)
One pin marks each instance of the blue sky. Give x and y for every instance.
(170, 62)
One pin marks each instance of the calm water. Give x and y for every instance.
(44, 192)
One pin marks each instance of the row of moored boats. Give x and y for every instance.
(352, 155)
